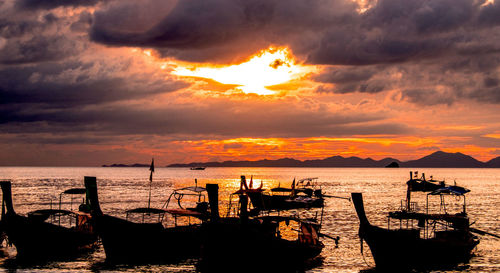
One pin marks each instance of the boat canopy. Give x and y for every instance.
(459, 220)
(455, 190)
(193, 189)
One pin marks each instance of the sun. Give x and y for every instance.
(269, 67)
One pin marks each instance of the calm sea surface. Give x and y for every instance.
(383, 189)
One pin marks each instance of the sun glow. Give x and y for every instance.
(488, 2)
(269, 67)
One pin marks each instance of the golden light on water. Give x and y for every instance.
(269, 67)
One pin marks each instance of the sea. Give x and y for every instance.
(383, 189)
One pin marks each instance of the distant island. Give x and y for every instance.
(437, 159)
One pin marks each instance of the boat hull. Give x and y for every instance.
(129, 242)
(405, 249)
(232, 246)
(34, 238)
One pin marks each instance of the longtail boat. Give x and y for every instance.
(47, 233)
(128, 241)
(421, 239)
(265, 243)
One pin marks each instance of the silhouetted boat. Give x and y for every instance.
(198, 168)
(303, 194)
(47, 233)
(125, 241)
(438, 239)
(257, 244)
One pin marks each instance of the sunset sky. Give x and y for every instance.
(91, 82)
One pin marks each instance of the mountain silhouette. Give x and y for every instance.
(494, 163)
(437, 159)
(445, 160)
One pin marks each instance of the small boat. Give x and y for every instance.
(129, 241)
(198, 168)
(303, 194)
(420, 240)
(48, 233)
(264, 243)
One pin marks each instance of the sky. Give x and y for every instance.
(91, 82)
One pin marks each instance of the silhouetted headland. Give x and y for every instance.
(393, 164)
(437, 159)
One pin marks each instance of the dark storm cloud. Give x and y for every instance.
(396, 31)
(33, 38)
(222, 119)
(330, 32)
(428, 97)
(345, 74)
(351, 79)
(34, 85)
(24, 26)
(487, 95)
(50, 4)
(38, 49)
(204, 28)
(42, 64)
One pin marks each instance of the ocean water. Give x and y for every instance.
(383, 189)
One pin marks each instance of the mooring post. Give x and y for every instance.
(213, 199)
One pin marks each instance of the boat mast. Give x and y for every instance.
(408, 192)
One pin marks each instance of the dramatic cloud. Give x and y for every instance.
(329, 32)
(401, 76)
(403, 34)
(234, 28)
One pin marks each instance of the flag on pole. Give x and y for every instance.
(152, 169)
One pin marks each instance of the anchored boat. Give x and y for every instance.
(47, 233)
(420, 239)
(128, 241)
(265, 243)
